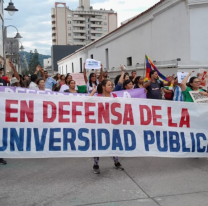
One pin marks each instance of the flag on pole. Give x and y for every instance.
(149, 67)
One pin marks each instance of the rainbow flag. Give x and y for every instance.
(149, 67)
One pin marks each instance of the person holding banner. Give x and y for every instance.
(192, 85)
(106, 91)
(93, 81)
(72, 87)
(139, 82)
(119, 84)
(41, 85)
(66, 85)
(128, 84)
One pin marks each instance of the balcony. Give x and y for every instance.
(53, 37)
(54, 40)
(79, 25)
(79, 37)
(79, 31)
(95, 32)
(96, 19)
(78, 19)
(96, 25)
(54, 34)
(53, 16)
(79, 43)
(94, 37)
(53, 22)
(53, 28)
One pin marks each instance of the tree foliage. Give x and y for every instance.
(34, 61)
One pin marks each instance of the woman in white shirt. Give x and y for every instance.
(66, 86)
(93, 81)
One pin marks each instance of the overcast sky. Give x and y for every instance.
(33, 20)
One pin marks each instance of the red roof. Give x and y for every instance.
(136, 17)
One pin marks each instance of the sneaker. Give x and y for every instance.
(118, 166)
(2, 161)
(96, 169)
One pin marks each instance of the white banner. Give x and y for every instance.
(33, 126)
(92, 64)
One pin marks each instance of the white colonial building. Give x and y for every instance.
(173, 33)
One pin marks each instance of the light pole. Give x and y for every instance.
(11, 8)
(17, 36)
(21, 49)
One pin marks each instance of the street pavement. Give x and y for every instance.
(71, 182)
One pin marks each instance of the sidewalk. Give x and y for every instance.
(71, 182)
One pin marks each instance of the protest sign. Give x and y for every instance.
(203, 76)
(78, 78)
(132, 93)
(181, 76)
(33, 126)
(92, 64)
(198, 98)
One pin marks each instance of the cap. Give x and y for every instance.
(13, 80)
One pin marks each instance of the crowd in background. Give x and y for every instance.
(103, 86)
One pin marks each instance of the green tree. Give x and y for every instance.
(33, 62)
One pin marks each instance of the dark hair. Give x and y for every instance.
(27, 83)
(55, 77)
(20, 76)
(191, 81)
(39, 81)
(71, 81)
(126, 74)
(99, 89)
(151, 73)
(34, 77)
(133, 71)
(90, 81)
(137, 79)
(116, 79)
(24, 76)
(61, 76)
(67, 78)
(45, 71)
(102, 84)
(126, 82)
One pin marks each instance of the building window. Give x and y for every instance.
(72, 67)
(69, 22)
(107, 58)
(104, 29)
(91, 56)
(129, 61)
(80, 65)
(69, 34)
(69, 15)
(104, 17)
(99, 35)
(104, 23)
(69, 28)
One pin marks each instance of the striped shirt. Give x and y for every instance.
(178, 94)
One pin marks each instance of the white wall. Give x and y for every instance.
(47, 62)
(199, 33)
(167, 32)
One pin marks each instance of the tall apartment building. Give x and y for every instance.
(81, 26)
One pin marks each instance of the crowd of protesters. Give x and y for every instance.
(101, 84)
